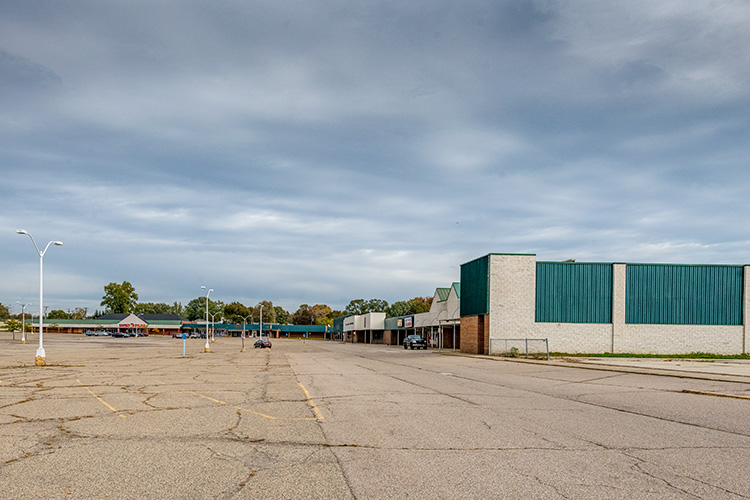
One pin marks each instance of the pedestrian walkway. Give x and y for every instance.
(715, 369)
(726, 370)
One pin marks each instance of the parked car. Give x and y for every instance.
(120, 334)
(414, 342)
(263, 343)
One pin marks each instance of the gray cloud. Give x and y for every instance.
(321, 152)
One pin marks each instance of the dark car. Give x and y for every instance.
(414, 342)
(263, 343)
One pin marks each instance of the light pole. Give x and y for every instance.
(244, 322)
(40, 354)
(213, 330)
(23, 320)
(260, 331)
(208, 347)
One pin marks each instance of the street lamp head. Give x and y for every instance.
(22, 231)
(57, 243)
(203, 287)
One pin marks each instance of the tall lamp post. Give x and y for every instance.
(208, 347)
(213, 326)
(40, 354)
(260, 330)
(244, 322)
(23, 320)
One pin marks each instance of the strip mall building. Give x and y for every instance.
(604, 307)
(507, 300)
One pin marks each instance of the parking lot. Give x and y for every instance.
(133, 418)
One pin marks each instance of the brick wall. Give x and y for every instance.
(474, 337)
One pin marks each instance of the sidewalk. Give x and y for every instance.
(725, 370)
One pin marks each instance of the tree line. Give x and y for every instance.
(121, 298)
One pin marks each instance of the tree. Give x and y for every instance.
(58, 314)
(78, 313)
(119, 298)
(196, 308)
(177, 308)
(269, 313)
(406, 307)
(315, 315)
(11, 325)
(4, 312)
(303, 316)
(152, 308)
(328, 318)
(362, 306)
(282, 315)
(399, 308)
(234, 312)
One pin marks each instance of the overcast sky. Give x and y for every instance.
(318, 152)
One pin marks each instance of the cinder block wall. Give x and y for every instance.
(512, 303)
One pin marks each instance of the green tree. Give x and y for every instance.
(196, 308)
(269, 312)
(282, 315)
(362, 306)
(58, 314)
(11, 325)
(234, 312)
(406, 307)
(4, 312)
(177, 309)
(303, 316)
(119, 298)
(328, 318)
(152, 308)
(398, 308)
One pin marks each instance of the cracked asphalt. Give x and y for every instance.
(132, 418)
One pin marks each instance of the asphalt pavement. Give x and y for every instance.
(134, 418)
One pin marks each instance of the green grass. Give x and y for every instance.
(692, 355)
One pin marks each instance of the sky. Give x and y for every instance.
(318, 152)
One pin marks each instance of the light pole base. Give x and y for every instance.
(242, 350)
(39, 361)
(23, 341)
(206, 349)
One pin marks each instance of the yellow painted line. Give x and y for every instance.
(102, 401)
(716, 394)
(318, 415)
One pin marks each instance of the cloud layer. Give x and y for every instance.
(319, 152)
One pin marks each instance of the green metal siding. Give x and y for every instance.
(665, 294)
(475, 276)
(573, 293)
(391, 323)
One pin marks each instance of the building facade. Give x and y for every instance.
(604, 307)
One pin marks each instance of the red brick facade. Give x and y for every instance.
(475, 335)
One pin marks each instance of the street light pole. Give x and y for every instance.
(244, 322)
(23, 321)
(40, 353)
(213, 327)
(261, 321)
(208, 347)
